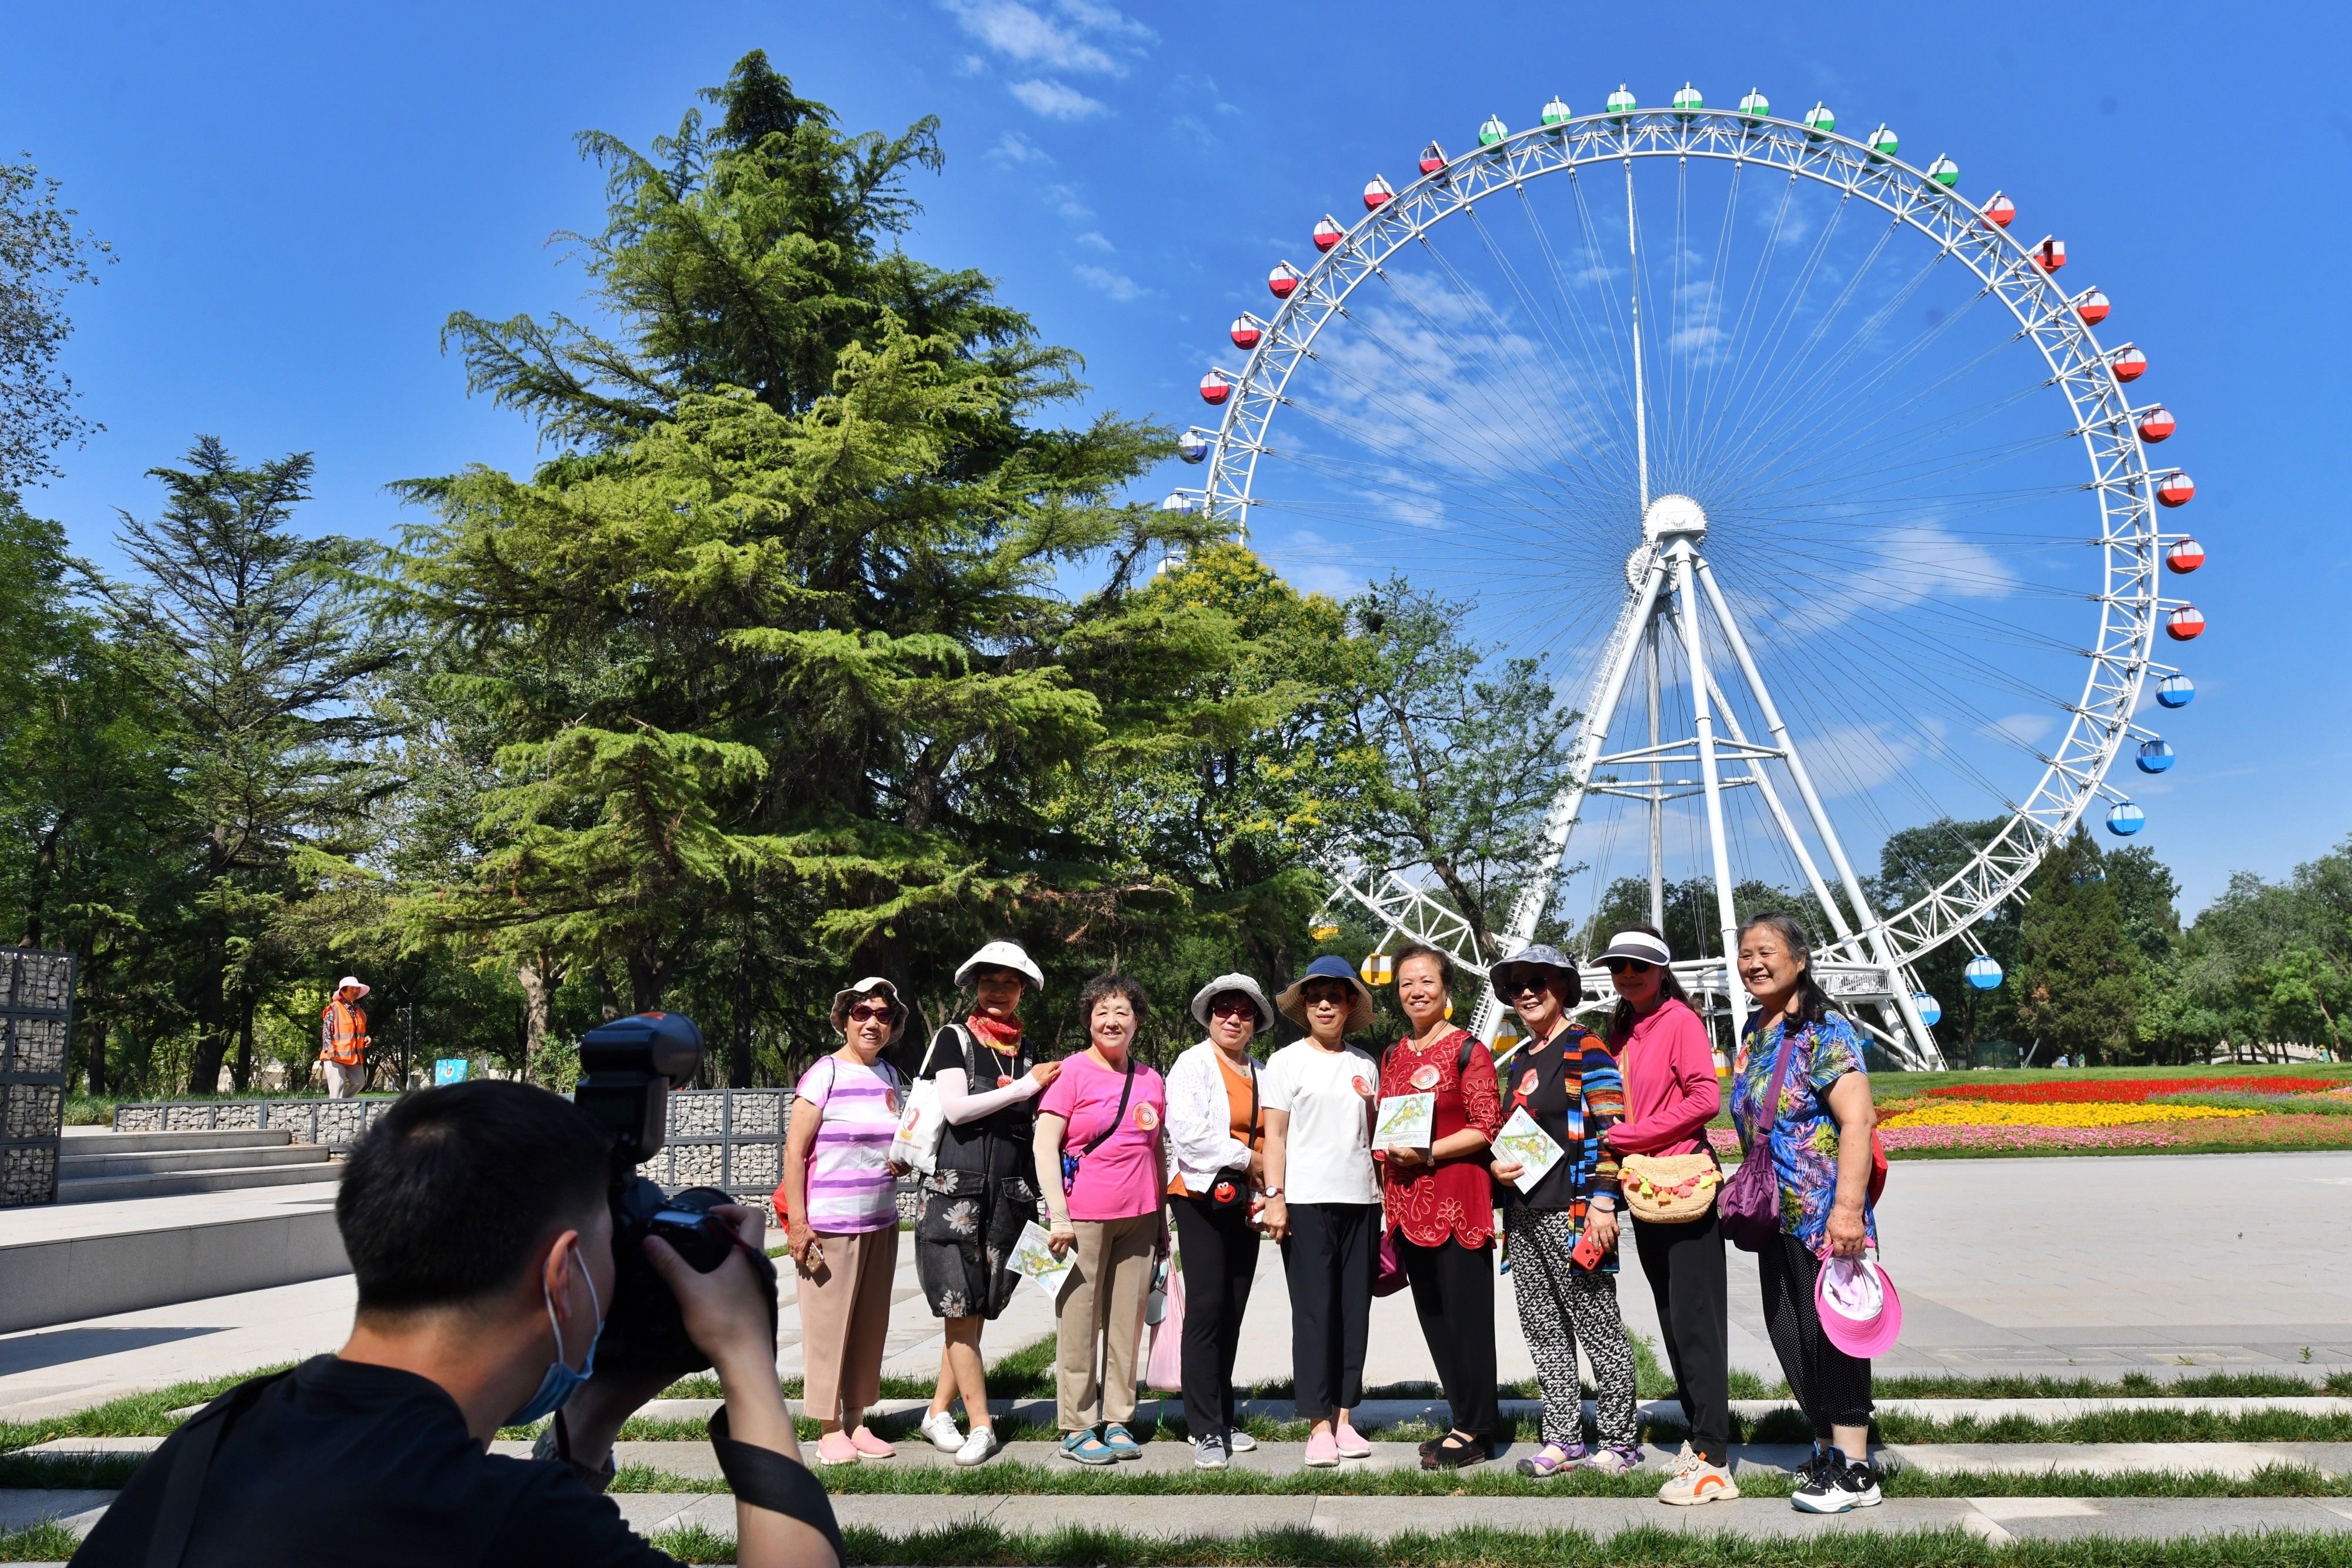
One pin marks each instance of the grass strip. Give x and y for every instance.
(54, 1544)
(984, 1546)
(133, 1416)
(1012, 1478)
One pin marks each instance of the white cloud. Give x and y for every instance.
(1094, 241)
(1056, 100)
(1103, 280)
(1067, 201)
(2025, 730)
(1014, 148)
(1070, 35)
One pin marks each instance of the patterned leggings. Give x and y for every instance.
(1560, 1306)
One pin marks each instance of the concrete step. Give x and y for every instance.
(96, 1189)
(80, 1143)
(78, 1165)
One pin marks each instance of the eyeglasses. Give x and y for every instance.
(866, 1012)
(1232, 1007)
(1627, 966)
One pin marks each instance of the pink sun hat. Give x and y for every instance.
(1860, 1310)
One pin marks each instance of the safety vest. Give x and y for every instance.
(342, 1034)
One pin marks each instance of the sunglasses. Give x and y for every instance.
(1627, 966)
(1334, 991)
(868, 1011)
(1522, 986)
(1232, 1007)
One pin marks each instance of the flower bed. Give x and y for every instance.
(2082, 1090)
(1964, 1114)
(2250, 1132)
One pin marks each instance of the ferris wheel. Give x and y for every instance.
(1828, 513)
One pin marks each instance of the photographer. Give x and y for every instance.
(476, 1221)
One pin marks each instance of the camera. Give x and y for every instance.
(626, 1069)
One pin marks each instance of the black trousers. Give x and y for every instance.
(1833, 1387)
(1454, 1296)
(1220, 1262)
(1684, 1266)
(1330, 1257)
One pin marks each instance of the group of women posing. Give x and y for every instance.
(1103, 1152)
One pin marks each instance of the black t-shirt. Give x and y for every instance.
(346, 1463)
(998, 1142)
(1548, 1079)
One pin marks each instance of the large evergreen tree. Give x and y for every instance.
(2077, 973)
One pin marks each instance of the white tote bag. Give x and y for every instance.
(916, 1143)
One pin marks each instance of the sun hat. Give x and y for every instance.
(1860, 1312)
(1639, 946)
(1004, 956)
(1536, 957)
(352, 982)
(1292, 999)
(1242, 984)
(849, 996)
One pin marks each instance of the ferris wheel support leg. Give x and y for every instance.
(1710, 779)
(1657, 798)
(1591, 741)
(1874, 930)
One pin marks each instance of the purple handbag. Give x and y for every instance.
(1388, 1275)
(1749, 1207)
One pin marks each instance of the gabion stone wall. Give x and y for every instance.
(732, 1139)
(36, 1026)
(337, 1124)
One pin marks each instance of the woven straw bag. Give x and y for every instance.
(1670, 1189)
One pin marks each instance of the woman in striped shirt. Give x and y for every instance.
(842, 1219)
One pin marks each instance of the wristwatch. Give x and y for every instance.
(1269, 1192)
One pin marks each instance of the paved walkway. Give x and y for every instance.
(2168, 1265)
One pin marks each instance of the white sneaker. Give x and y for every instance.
(980, 1448)
(940, 1429)
(1696, 1481)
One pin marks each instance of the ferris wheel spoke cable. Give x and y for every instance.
(1711, 414)
(1592, 353)
(1534, 491)
(1703, 332)
(1808, 467)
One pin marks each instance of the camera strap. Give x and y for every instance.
(765, 1478)
(184, 1485)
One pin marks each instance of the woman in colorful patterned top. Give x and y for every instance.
(1440, 1202)
(841, 1218)
(1566, 1082)
(1819, 1150)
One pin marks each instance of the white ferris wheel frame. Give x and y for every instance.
(1872, 964)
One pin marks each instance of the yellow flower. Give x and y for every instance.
(2096, 1114)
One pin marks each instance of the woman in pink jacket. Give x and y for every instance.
(1670, 1096)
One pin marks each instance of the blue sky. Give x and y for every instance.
(299, 197)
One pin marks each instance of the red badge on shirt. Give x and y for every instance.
(1003, 1081)
(1424, 1077)
(1527, 1082)
(891, 1101)
(1146, 1118)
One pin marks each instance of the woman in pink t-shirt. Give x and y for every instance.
(1102, 1164)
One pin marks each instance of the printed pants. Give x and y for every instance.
(1561, 1305)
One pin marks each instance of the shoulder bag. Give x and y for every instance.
(916, 1143)
(1750, 1202)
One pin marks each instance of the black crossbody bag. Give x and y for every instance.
(1231, 1188)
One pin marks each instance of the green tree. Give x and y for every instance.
(2077, 974)
(255, 643)
(41, 257)
(1913, 863)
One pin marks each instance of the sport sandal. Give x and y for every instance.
(1551, 1459)
(1121, 1442)
(1087, 1448)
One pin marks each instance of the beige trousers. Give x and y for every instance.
(844, 1318)
(343, 1082)
(1100, 1319)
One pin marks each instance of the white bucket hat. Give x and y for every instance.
(1004, 956)
(349, 982)
(1239, 984)
(871, 986)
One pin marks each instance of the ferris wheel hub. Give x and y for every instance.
(1672, 516)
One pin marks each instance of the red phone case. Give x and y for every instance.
(1589, 1252)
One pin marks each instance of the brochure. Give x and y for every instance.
(1405, 1122)
(1524, 1141)
(1032, 1256)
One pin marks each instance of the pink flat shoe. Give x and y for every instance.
(835, 1449)
(871, 1446)
(1351, 1443)
(1322, 1451)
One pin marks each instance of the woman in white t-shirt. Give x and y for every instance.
(1323, 1197)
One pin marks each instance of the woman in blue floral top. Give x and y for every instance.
(1820, 1149)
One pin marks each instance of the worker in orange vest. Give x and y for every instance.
(343, 1039)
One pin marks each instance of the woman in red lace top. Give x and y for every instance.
(1440, 1202)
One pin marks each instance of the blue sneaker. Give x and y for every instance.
(1087, 1450)
(1121, 1442)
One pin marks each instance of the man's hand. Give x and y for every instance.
(725, 1316)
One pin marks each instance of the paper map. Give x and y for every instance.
(1032, 1256)
(1405, 1121)
(1521, 1140)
